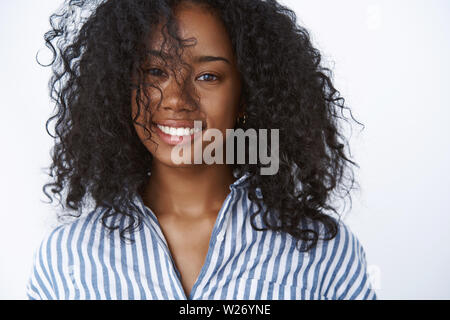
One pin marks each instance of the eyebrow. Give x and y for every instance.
(197, 59)
(210, 58)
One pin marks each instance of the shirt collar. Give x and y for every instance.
(240, 182)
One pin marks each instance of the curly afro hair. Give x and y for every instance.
(97, 45)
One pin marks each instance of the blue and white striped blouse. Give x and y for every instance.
(81, 260)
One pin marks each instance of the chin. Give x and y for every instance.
(167, 161)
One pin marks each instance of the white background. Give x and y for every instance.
(391, 63)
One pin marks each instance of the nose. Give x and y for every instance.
(176, 96)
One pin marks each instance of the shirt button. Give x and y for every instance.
(220, 237)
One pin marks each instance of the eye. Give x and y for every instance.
(155, 72)
(208, 77)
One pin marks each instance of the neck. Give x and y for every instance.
(194, 192)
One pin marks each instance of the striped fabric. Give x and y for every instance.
(80, 260)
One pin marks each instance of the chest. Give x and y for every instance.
(188, 243)
(256, 265)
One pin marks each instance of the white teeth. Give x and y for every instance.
(178, 131)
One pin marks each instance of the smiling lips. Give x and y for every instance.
(174, 132)
(178, 131)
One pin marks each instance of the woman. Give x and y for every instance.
(141, 78)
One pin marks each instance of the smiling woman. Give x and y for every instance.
(201, 84)
(130, 81)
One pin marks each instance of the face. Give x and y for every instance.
(214, 78)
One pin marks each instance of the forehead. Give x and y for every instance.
(205, 31)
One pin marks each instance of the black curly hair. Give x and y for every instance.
(97, 45)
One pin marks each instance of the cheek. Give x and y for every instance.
(221, 119)
(142, 120)
(143, 105)
(221, 110)
(134, 112)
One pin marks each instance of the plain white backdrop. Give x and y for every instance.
(391, 63)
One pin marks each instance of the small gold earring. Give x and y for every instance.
(243, 119)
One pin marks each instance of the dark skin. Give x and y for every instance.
(187, 198)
